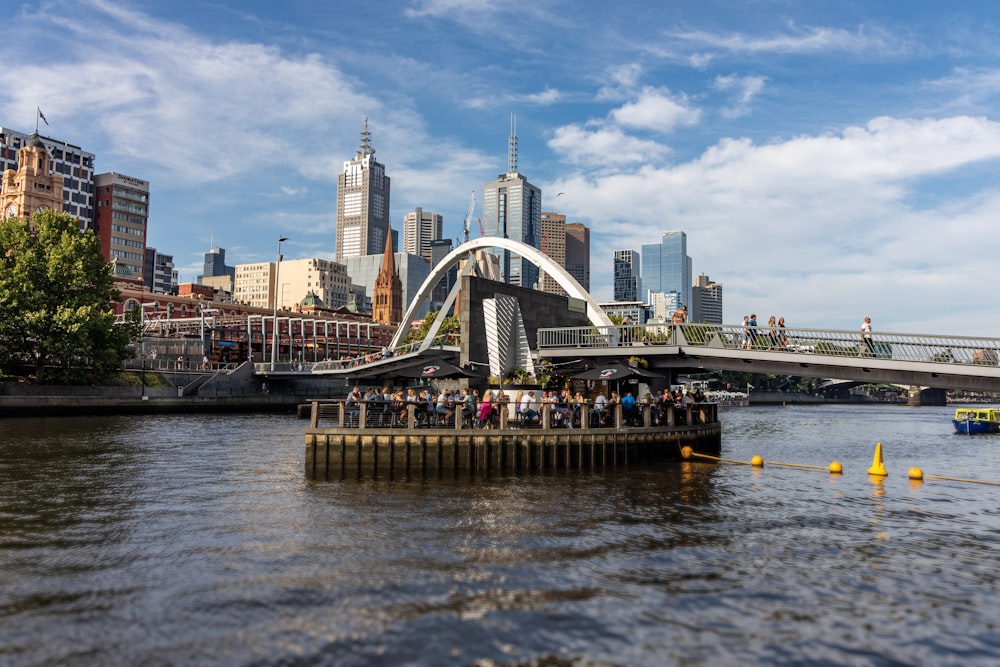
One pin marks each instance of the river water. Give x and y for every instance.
(198, 540)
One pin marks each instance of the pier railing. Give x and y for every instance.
(379, 415)
(928, 348)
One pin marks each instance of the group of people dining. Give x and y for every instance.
(386, 407)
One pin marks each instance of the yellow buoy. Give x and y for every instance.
(836, 468)
(916, 473)
(757, 462)
(686, 451)
(878, 467)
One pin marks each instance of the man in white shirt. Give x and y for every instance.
(600, 410)
(529, 407)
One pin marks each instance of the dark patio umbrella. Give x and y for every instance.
(435, 369)
(615, 371)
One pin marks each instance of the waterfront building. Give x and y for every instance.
(159, 274)
(121, 218)
(387, 295)
(31, 185)
(327, 279)
(626, 275)
(578, 253)
(553, 244)
(253, 284)
(74, 165)
(364, 271)
(666, 267)
(512, 209)
(420, 229)
(362, 204)
(706, 301)
(636, 311)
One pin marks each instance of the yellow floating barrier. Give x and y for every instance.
(758, 462)
(878, 467)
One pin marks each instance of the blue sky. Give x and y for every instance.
(828, 160)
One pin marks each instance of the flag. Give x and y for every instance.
(42, 116)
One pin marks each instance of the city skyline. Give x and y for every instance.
(827, 163)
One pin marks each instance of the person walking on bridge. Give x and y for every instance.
(867, 349)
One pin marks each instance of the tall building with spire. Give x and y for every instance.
(362, 203)
(512, 209)
(387, 296)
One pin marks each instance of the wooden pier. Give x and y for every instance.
(371, 440)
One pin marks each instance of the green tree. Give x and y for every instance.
(56, 302)
(451, 324)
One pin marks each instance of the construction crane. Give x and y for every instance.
(468, 217)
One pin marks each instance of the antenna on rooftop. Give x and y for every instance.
(512, 146)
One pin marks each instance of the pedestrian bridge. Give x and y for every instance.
(922, 360)
(926, 360)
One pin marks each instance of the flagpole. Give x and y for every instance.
(38, 112)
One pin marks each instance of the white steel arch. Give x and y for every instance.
(594, 311)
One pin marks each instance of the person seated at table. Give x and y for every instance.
(442, 409)
(529, 407)
(486, 409)
(600, 411)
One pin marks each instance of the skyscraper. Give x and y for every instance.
(627, 283)
(666, 267)
(362, 204)
(578, 253)
(420, 229)
(512, 209)
(215, 265)
(553, 245)
(159, 275)
(706, 301)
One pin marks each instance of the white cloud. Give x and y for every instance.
(603, 146)
(819, 229)
(802, 40)
(657, 110)
(745, 88)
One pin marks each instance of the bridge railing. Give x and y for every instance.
(927, 348)
(353, 361)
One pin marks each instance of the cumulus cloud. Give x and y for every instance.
(603, 146)
(656, 110)
(831, 223)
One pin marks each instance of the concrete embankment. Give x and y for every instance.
(105, 401)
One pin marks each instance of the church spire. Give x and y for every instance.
(387, 295)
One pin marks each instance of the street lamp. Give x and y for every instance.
(142, 343)
(274, 323)
(204, 347)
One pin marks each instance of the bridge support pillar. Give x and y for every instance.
(927, 396)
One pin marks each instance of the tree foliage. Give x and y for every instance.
(451, 324)
(56, 302)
